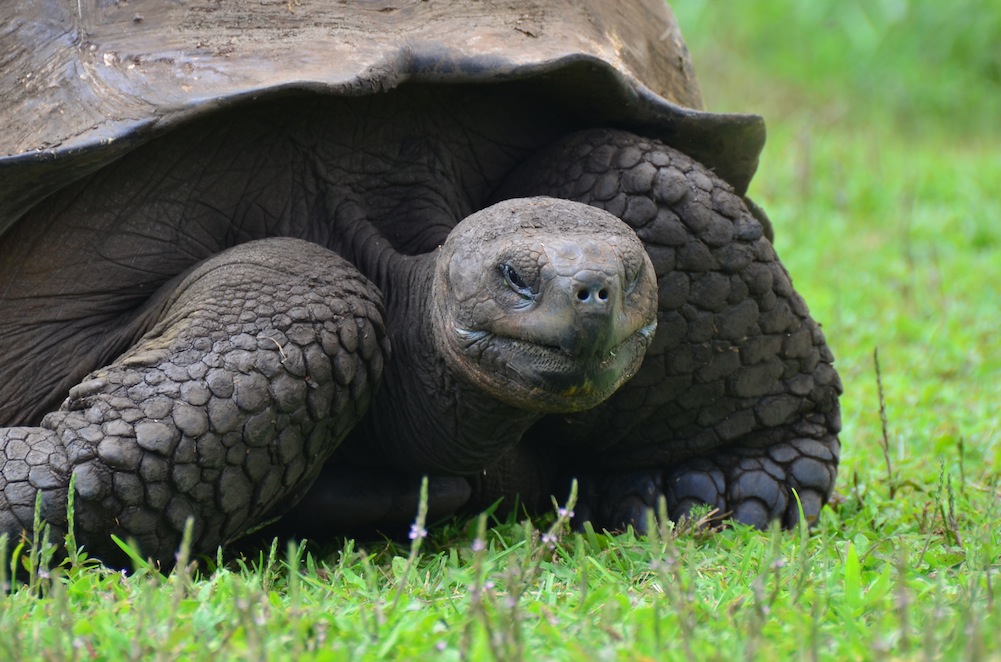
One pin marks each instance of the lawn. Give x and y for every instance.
(882, 177)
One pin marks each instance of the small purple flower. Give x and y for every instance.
(417, 531)
(479, 545)
(564, 513)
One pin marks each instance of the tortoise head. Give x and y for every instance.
(547, 305)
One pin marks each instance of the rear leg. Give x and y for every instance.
(737, 400)
(264, 358)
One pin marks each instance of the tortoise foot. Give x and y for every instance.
(750, 485)
(32, 460)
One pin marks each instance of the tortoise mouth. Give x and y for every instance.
(546, 378)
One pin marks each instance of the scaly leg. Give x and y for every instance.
(263, 359)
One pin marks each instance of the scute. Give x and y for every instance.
(87, 82)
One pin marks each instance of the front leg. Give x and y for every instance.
(264, 358)
(736, 403)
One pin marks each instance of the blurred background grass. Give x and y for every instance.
(916, 65)
(882, 176)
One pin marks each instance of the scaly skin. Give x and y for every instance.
(263, 359)
(737, 401)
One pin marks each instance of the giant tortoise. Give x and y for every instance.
(289, 257)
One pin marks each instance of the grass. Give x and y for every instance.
(881, 177)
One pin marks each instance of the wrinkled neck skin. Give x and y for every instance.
(425, 418)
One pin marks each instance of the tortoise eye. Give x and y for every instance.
(633, 270)
(516, 282)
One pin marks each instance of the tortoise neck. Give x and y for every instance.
(425, 418)
(356, 239)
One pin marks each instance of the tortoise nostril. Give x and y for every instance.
(586, 294)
